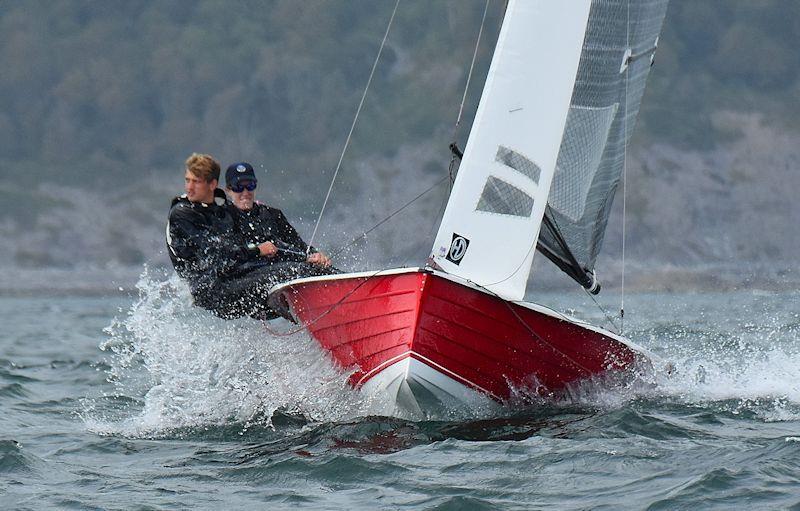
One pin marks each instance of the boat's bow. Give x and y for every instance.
(418, 339)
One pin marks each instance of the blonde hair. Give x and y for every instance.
(203, 166)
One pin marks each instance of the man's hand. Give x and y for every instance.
(320, 259)
(267, 249)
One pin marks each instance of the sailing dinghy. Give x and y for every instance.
(539, 172)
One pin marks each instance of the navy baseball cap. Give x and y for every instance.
(241, 171)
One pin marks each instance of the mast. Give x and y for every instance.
(493, 217)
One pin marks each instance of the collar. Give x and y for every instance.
(220, 199)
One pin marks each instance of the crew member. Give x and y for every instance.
(210, 252)
(286, 255)
(262, 224)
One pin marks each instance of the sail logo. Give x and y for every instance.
(458, 247)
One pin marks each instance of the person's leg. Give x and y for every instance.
(247, 294)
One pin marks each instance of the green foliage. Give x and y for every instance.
(722, 55)
(105, 90)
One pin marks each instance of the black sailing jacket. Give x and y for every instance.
(204, 241)
(263, 223)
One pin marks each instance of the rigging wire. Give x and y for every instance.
(453, 157)
(341, 249)
(352, 126)
(334, 306)
(557, 230)
(624, 173)
(450, 175)
(543, 341)
(469, 74)
(530, 329)
(404, 206)
(608, 316)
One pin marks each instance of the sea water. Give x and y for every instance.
(144, 402)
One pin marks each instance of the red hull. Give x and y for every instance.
(367, 323)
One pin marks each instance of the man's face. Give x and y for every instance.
(198, 189)
(245, 198)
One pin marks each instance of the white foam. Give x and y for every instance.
(748, 366)
(739, 361)
(192, 369)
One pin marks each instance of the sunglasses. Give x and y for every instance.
(239, 187)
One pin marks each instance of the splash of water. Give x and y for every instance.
(738, 354)
(739, 357)
(178, 367)
(186, 368)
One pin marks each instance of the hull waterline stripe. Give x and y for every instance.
(453, 375)
(383, 365)
(366, 355)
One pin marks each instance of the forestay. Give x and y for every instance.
(492, 219)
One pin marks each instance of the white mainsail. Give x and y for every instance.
(490, 226)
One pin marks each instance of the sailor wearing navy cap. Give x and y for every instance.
(264, 225)
(242, 171)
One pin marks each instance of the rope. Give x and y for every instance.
(369, 277)
(607, 315)
(530, 329)
(304, 326)
(543, 341)
(452, 165)
(352, 126)
(366, 279)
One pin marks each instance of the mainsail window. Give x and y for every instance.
(504, 198)
(585, 137)
(516, 161)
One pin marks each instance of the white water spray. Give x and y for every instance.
(191, 369)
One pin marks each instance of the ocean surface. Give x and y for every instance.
(139, 401)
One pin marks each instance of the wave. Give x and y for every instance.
(191, 369)
(14, 460)
(178, 370)
(735, 357)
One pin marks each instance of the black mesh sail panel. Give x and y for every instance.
(618, 51)
(504, 198)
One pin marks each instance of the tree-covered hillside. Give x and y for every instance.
(716, 55)
(101, 102)
(124, 86)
